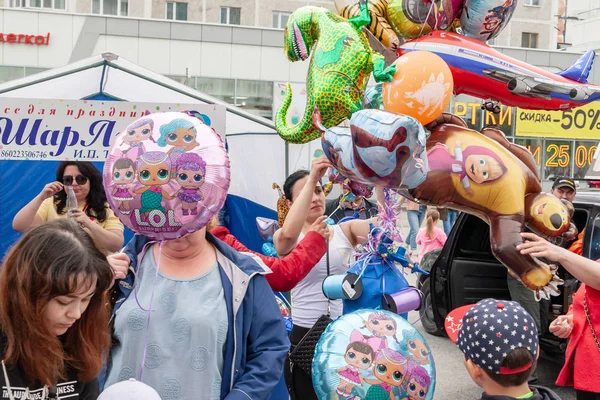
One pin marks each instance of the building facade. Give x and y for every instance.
(533, 25)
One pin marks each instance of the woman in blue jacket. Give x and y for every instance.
(215, 330)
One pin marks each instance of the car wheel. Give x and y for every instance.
(426, 314)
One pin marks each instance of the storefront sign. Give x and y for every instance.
(78, 129)
(579, 123)
(39, 40)
(471, 112)
(559, 153)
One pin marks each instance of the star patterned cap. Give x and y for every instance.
(490, 330)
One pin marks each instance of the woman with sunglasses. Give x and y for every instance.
(94, 214)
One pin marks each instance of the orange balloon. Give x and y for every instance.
(422, 87)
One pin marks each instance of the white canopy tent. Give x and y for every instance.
(258, 155)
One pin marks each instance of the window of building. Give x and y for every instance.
(531, 2)
(51, 4)
(280, 19)
(110, 7)
(230, 15)
(529, 40)
(255, 97)
(177, 11)
(10, 73)
(184, 80)
(222, 89)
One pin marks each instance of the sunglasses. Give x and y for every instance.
(80, 179)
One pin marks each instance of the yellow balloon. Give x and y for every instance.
(379, 26)
(422, 87)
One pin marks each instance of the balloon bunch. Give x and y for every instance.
(374, 280)
(394, 21)
(377, 264)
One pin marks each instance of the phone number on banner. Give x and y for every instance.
(23, 155)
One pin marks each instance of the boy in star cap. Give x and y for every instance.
(500, 342)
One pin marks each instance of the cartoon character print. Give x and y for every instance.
(418, 382)
(413, 347)
(390, 368)
(137, 133)
(181, 135)
(497, 18)
(359, 356)
(393, 148)
(190, 171)
(381, 326)
(475, 163)
(123, 177)
(153, 173)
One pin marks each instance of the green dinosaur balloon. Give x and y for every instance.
(339, 70)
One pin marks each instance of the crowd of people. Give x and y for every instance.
(75, 304)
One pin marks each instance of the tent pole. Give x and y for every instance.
(287, 159)
(52, 77)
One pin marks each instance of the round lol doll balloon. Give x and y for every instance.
(373, 355)
(167, 175)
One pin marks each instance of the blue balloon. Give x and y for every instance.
(268, 249)
(353, 347)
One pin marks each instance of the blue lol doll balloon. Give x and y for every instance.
(373, 355)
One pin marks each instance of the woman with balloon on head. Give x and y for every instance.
(92, 212)
(306, 199)
(192, 316)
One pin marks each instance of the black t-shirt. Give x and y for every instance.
(70, 388)
(332, 206)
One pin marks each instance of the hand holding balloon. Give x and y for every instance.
(540, 248)
(320, 227)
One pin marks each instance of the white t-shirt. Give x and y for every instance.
(308, 301)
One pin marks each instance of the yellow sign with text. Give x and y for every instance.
(578, 123)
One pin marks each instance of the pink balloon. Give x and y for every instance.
(167, 175)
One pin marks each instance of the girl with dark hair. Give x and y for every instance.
(94, 214)
(53, 314)
(306, 199)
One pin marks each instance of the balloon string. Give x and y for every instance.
(421, 316)
(147, 334)
(285, 300)
(425, 22)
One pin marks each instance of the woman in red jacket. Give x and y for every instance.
(581, 324)
(291, 269)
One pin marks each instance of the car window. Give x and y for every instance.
(474, 239)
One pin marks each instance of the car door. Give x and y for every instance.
(474, 273)
(466, 271)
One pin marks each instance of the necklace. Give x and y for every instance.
(589, 320)
(24, 395)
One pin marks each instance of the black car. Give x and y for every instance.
(464, 271)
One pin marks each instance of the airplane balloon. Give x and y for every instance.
(481, 71)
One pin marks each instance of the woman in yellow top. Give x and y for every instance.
(94, 214)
